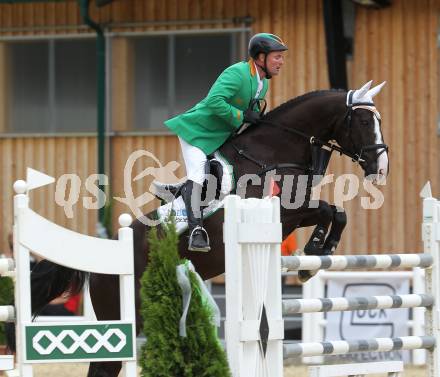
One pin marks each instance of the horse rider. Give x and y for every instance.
(206, 126)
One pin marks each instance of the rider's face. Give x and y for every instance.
(275, 60)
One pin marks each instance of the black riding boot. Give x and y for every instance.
(198, 237)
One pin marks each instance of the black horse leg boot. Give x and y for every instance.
(313, 247)
(198, 237)
(316, 242)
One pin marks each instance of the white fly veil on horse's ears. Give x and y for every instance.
(364, 94)
(360, 93)
(373, 91)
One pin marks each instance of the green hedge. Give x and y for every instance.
(165, 353)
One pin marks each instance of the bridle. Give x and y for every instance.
(314, 141)
(366, 106)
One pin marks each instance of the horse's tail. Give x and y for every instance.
(50, 280)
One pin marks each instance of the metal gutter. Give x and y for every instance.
(246, 21)
(100, 69)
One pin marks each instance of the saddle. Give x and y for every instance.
(216, 168)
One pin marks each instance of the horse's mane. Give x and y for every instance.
(300, 99)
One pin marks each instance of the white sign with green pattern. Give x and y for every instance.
(79, 342)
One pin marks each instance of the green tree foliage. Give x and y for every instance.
(166, 353)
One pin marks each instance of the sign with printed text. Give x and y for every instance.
(371, 323)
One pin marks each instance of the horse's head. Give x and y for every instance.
(361, 132)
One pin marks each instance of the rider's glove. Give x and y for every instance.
(250, 116)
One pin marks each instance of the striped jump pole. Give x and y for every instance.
(7, 266)
(339, 304)
(345, 262)
(7, 312)
(341, 347)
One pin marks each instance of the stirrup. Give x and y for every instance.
(204, 249)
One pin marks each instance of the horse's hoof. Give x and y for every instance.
(305, 275)
(326, 252)
(313, 250)
(298, 253)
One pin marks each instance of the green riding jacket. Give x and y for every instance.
(209, 123)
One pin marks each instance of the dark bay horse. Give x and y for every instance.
(283, 142)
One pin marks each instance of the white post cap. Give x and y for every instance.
(20, 186)
(125, 220)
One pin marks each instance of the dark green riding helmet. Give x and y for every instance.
(265, 43)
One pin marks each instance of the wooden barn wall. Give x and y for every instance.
(397, 44)
(56, 156)
(73, 159)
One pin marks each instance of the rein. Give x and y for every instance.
(265, 168)
(355, 157)
(315, 141)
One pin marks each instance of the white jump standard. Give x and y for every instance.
(74, 341)
(254, 307)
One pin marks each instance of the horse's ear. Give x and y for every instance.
(372, 92)
(366, 86)
(360, 93)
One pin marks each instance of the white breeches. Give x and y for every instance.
(195, 162)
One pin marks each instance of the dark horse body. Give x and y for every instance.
(323, 114)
